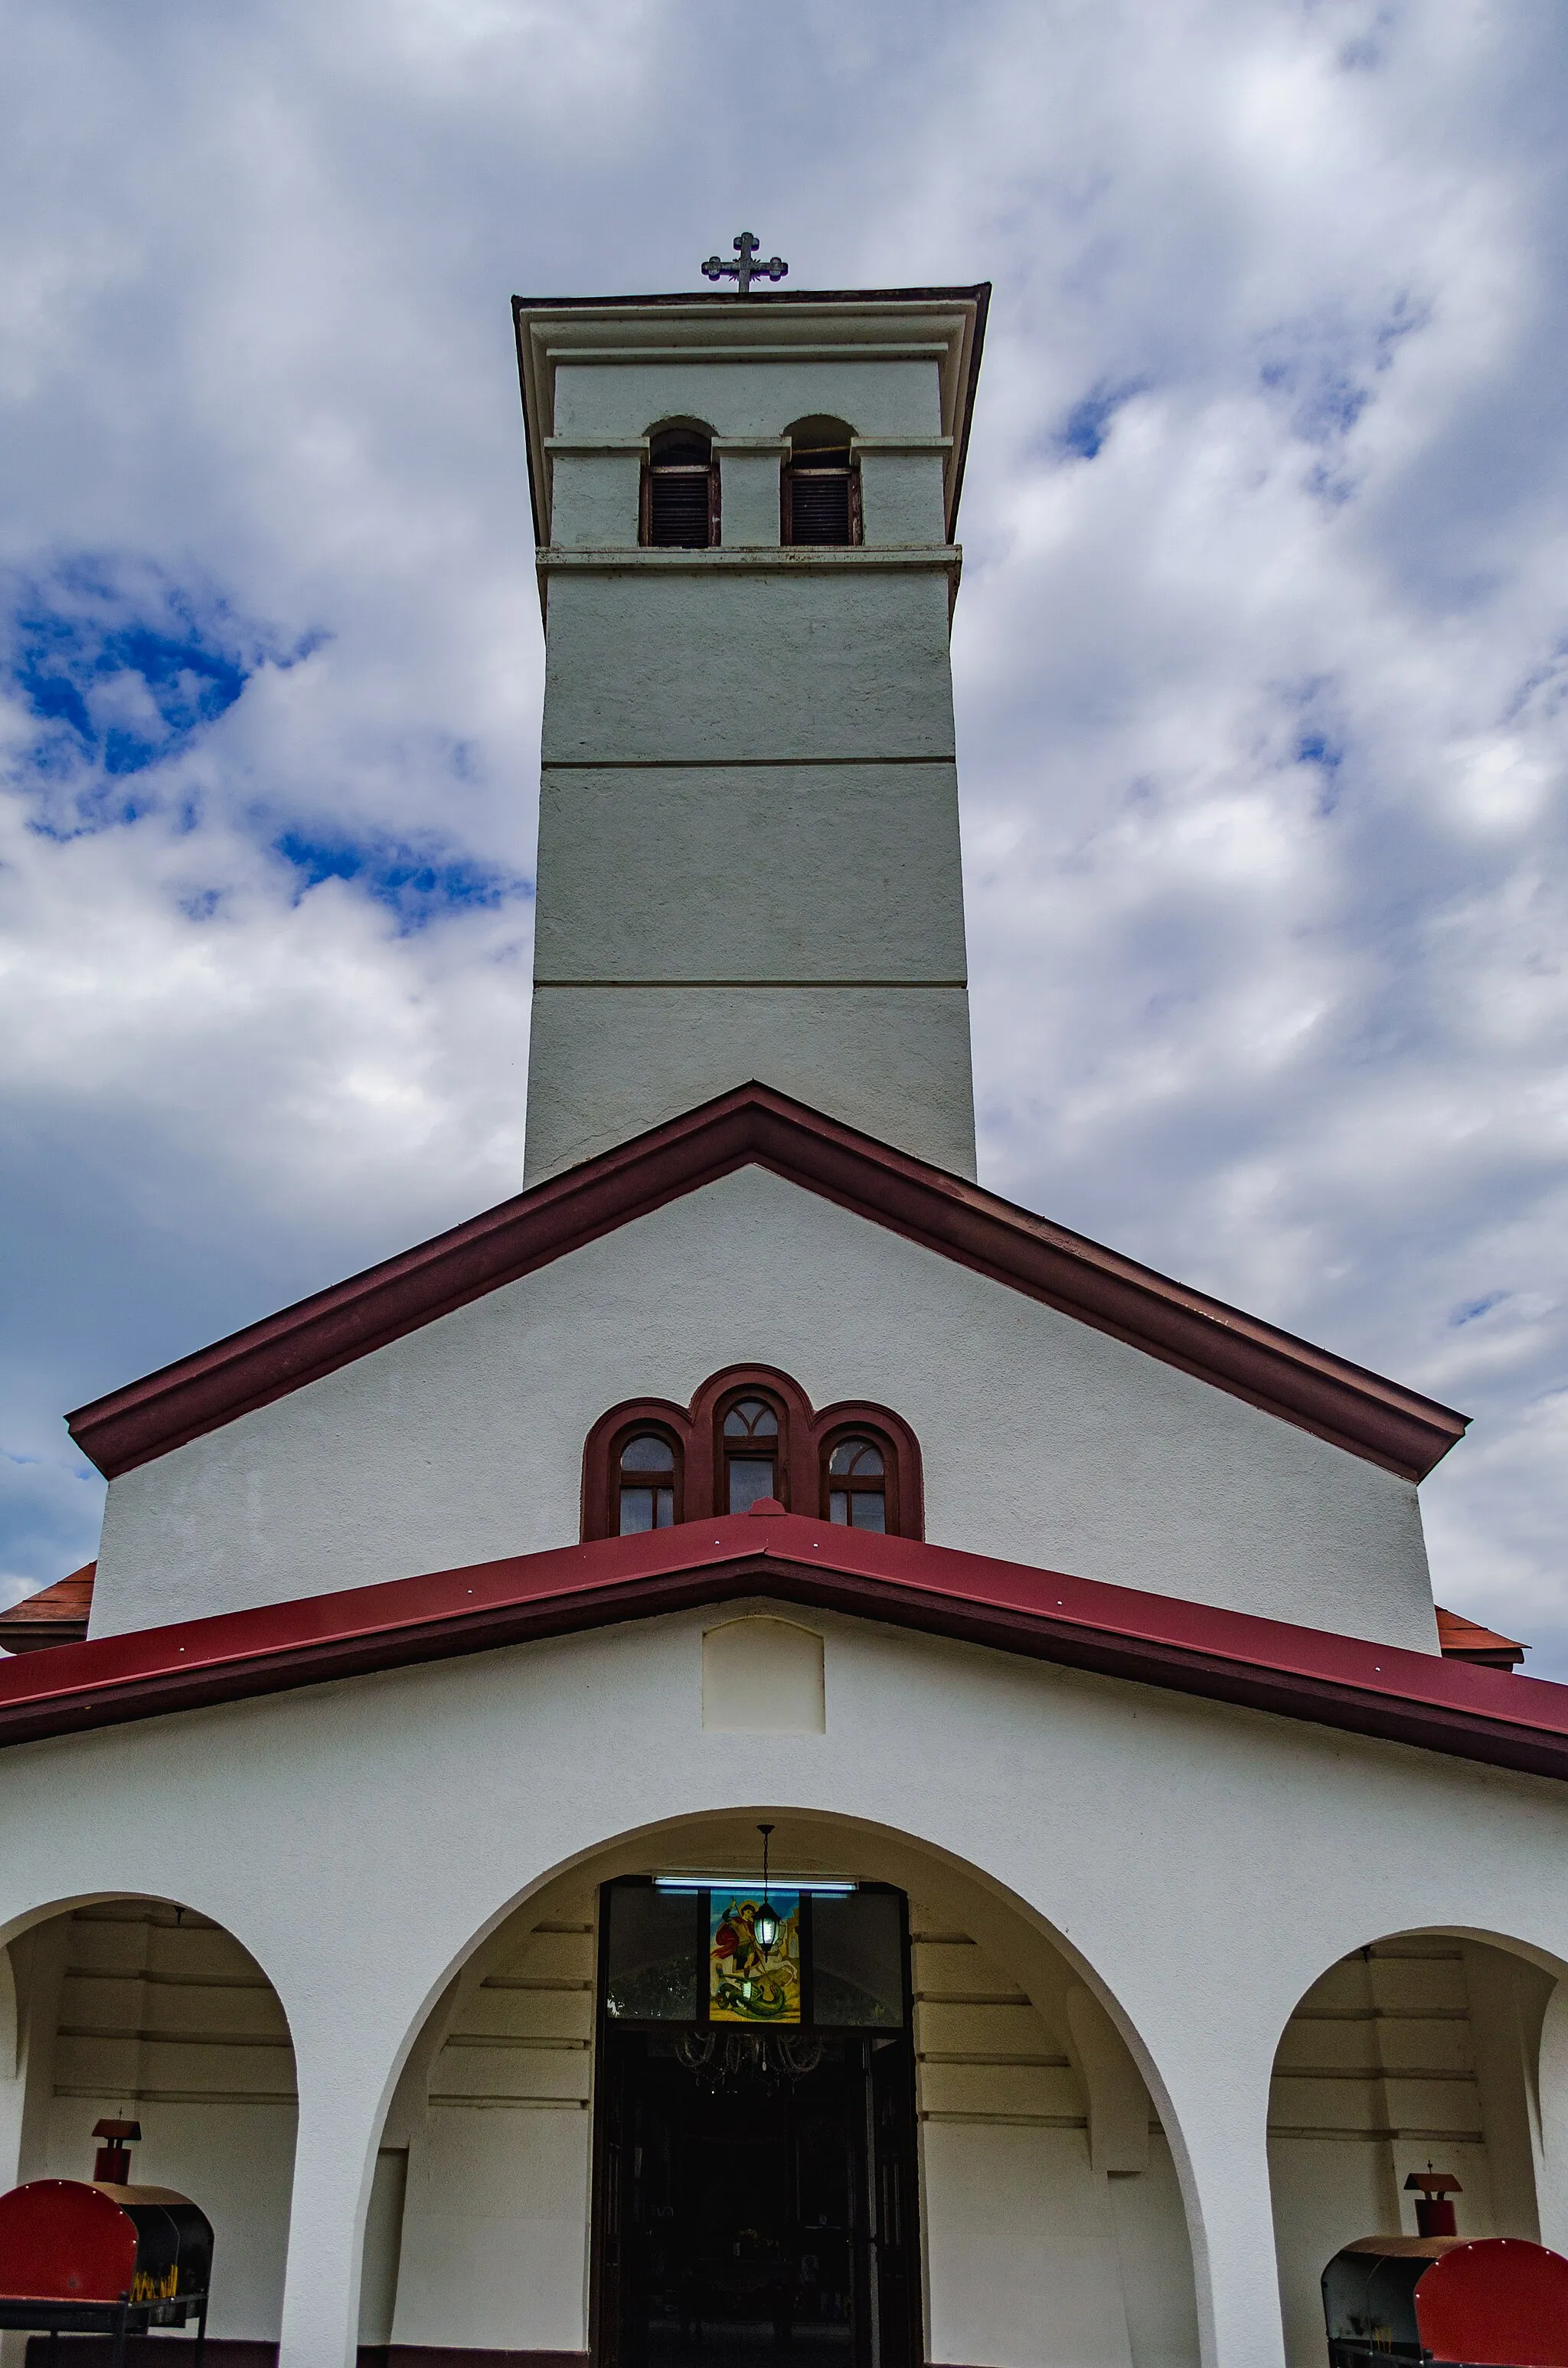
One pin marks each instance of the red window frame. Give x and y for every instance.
(806, 1439)
(876, 1434)
(616, 1477)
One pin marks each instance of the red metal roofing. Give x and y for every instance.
(755, 1126)
(1466, 1640)
(1120, 1632)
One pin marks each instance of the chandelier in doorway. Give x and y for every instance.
(759, 2061)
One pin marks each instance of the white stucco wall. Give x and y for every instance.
(836, 889)
(768, 884)
(679, 659)
(1044, 1441)
(830, 873)
(772, 819)
(901, 493)
(1198, 1867)
(753, 397)
(750, 508)
(606, 1062)
(596, 486)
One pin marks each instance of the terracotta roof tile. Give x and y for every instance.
(55, 1615)
(1466, 1640)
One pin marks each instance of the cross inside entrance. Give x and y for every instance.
(746, 268)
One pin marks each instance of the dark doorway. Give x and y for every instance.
(754, 2203)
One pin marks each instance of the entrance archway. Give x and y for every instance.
(757, 2179)
(146, 2010)
(1419, 2049)
(1047, 2223)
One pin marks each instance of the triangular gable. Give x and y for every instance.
(755, 1126)
(1118, 1632)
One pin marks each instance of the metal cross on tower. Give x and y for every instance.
(747, 268)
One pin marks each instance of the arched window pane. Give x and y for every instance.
(857, 1484)
(646, 1509)
(751, 1419)
(858, 1508)
(647, 1454)
(751, 1477)
(857, 1456)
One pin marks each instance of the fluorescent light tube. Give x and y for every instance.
(831, 1886)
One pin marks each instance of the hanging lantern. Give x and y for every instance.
(765, 1924)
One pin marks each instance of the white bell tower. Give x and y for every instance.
(748, 859)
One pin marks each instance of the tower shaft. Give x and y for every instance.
(749, 861)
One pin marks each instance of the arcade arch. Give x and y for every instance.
(1051, 2230)
(144, 2009)
(1420, 2048)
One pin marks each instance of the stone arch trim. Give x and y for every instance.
(807, 1435)
(1010, 1926)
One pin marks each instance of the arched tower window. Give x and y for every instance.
(646, 1484)
(856, 1477)
(753, 1456)
(820, 489)
(680, 490)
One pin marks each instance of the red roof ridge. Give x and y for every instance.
(1346, 1682)
(754, 1125)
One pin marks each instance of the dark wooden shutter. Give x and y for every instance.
(682, 511)
(820, 500)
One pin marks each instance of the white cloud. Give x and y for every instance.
(1261, 702)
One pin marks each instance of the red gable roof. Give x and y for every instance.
(755, 1126)
(1120, 1632)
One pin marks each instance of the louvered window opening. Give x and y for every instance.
(681, 508)
(822, 500)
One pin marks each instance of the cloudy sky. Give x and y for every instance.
(1261, 657)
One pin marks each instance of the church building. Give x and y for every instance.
(756, 1758)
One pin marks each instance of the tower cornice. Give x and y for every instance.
(946, 325)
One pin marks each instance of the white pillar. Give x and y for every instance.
(1551, 2192)
(341, 2113)
(1222, 2121)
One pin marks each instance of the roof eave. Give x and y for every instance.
(753, 1125)
(1379, 1691)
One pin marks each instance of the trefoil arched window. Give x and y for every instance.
(750, 1433)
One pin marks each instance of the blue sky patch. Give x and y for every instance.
(1470, 1309)
(418, 880)
(1317, 748)
(1326, 400)
(1089, 423)
(122, 669)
